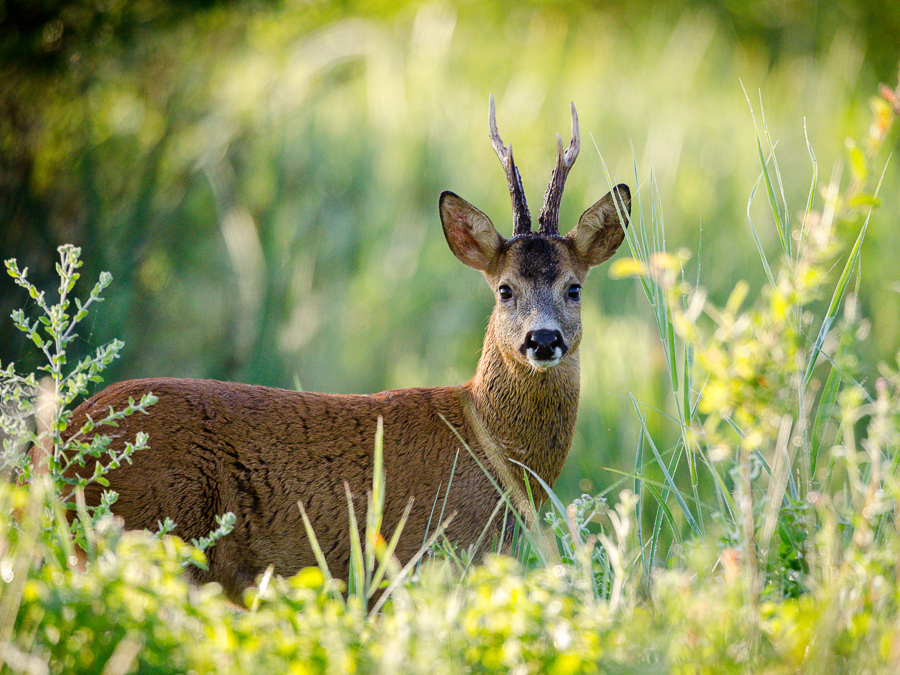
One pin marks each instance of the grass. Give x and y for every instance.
(765, 539)
(756, 421)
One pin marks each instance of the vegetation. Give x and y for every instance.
(788, 562)
(261, 180)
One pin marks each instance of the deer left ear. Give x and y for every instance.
(470, 234)
(601, 230)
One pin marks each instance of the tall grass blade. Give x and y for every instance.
(386, 556)
(317, 550)
(554, 499)
(844, 280)
(449, 485)
(823, 414)
(812, 187)
(836, 299)
(376, 499)
(781, 216)
(668, 476)
(635, 236)
(775, 494)
(438, 496)
(639, 493)
(404, 573)
(638, 248)
(357, 578)
(666, 514)
(578, 546)
(723, 494)
(687, 417)
(780, 221)
(543, 554)
(671, 350)
(759, 246)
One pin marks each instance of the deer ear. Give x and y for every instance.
(470, 234)
(600, 230)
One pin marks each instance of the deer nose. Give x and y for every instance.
(543, 344)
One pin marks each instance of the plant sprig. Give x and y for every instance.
(56, 447)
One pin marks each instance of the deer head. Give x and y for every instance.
(536, 276)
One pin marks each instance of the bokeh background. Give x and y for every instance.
(261, 178)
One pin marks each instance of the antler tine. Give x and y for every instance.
(549, 218)
(521, 216)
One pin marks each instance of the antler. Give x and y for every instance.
(521, 216)
(549, 218)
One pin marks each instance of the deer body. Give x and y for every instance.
(257, 451)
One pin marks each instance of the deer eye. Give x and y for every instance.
(574, 292)
(505, 292)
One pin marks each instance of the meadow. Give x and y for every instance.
(263, 186)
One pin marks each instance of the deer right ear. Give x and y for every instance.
(470, 234)
(601, 229)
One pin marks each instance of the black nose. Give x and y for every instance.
(544, 343)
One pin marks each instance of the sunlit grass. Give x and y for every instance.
(737, 444)
(750, 414)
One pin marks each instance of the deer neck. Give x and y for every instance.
(527, 414)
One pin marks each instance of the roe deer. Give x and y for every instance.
(257, 451)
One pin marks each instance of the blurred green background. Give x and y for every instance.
(261, 178)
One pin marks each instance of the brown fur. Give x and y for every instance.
(256, 451)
